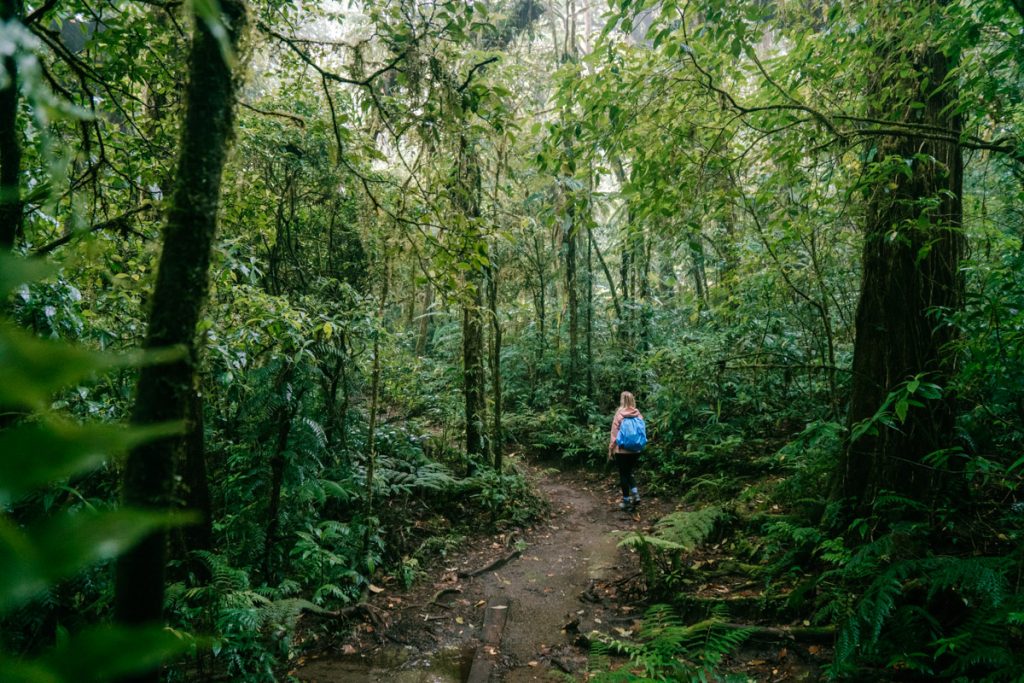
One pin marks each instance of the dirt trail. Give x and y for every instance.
(548, 590)
(577, 547)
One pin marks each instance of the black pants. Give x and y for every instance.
(627, 463)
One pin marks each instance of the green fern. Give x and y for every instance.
(892, 625)
(316, 431)
(250, 623)
(284, 613)
(396, 477)
(675, 534)
(690, 529)
(224, 579)
(679, 530)
(666, 649)
(645, 543)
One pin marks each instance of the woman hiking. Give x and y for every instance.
(628, 438)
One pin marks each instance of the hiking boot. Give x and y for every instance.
(626, 504)
(635, 497)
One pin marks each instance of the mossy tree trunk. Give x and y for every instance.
(569, 249)
(913, 245)
(165, 391)
(289, 404)
(423, 333)
(197, 496)
(10, 146)
(467, 196)
(497, 439)
(472, 368)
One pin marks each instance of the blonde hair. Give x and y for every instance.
(626, 400)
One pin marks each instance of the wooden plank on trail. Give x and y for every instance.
(495, 617)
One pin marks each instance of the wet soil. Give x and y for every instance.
(550, 587)
(560, 581)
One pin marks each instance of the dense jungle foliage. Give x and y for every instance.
(292, 290)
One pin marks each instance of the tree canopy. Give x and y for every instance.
(298, 297)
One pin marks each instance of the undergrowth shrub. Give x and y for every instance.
(509, 500)
(55, 544)
(808, 461)
(555, 433)
(953, 617)
(666, 649)
(662, 553)
(251, 627)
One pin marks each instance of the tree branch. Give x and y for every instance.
(1013, 148)
(40, 12)
(1001, 146)
(476, 67)
(324, 73)
(607, 274)
(120, 223)
(298, 120)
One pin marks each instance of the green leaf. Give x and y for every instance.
(34, 559)
(109, 652)
(100, 653)
(31, 369)
(17, 671)
(335, 489)
(208, 11)
(18, 271)
(35, 454)
(901, 407)
(864, 428)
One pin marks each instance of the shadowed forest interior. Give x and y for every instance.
(314, 317)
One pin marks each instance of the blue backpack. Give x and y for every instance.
(632, 434)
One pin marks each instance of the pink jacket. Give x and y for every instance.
(620, 414)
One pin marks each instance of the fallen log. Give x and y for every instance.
(368, 612)
(771, 608)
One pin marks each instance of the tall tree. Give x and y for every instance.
(569, 249)
(165, 391)
(497, 439)
(913, 245)
(468, 187)
(10, 147)
(570, 217)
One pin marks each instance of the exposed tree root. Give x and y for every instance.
(440, 594)
(497, 564)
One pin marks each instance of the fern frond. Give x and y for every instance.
(689, 529)
(345, 491)
(980, 578)
(669, 650)
(286, 612)
(892, 619)
(638, 541)
(316, 430)
(224, 579)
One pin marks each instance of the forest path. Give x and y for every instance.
(548, 589)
